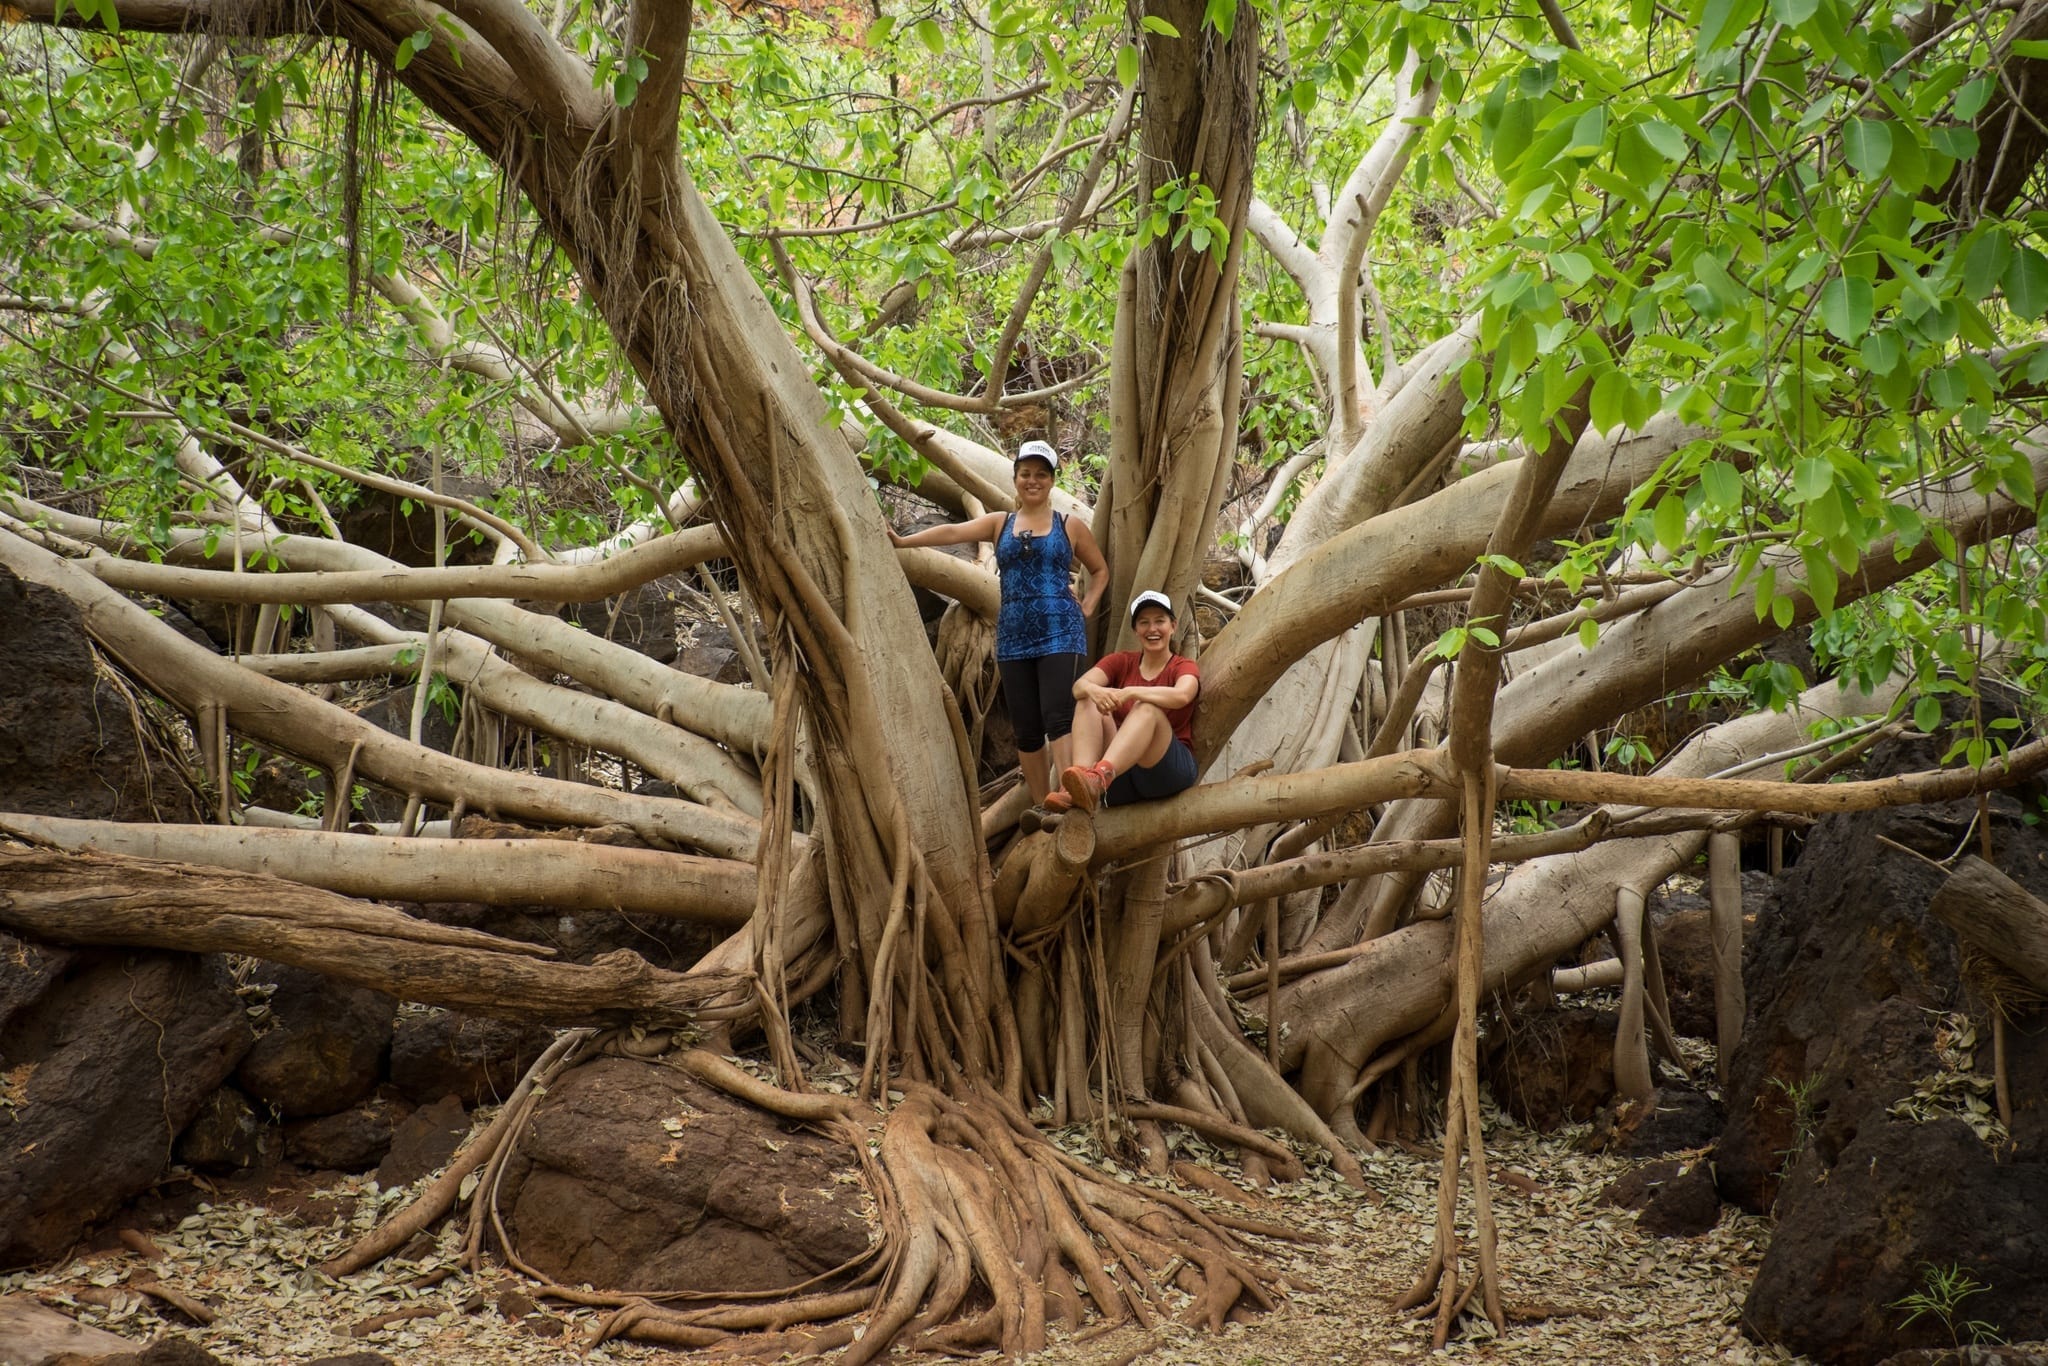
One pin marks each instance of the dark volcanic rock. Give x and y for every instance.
(583, 936)
(353, 1141)
(633, 1174)
(1551, 1068)
(437, 1052)
(326, 1045)
(1988, 1354)
(712, 654)
(1843, 977)
(1902, 1199)
(643, 619)
(104, 1063)
(1675, 1119)
(423, 1142)
(228, 1135)
(68, 739)
(1674, 1199)
(1685, 946)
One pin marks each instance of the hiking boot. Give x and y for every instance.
(1086, 785)
(1057, 802)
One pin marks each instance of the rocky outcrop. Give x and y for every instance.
(326, 1045)
(105, 1057)
(1866, 1042)
(70, 744)
(634, 1175)
(1906, 1203)
(1552, 1067)
(1847, 977)
(478, 1060)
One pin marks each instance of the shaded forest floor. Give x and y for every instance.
(1582, 1284)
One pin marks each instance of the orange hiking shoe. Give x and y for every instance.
(1057, 801)
(1086, 785)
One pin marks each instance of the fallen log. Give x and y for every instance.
(111, 899)
(1996, 915)
(562, 874)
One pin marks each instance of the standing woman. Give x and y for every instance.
(1042, 628)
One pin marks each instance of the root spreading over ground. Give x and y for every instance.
(1581, 1283)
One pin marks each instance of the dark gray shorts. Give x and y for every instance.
(1175, 772)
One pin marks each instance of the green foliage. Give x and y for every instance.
(1940, 1297)
(1740, 217)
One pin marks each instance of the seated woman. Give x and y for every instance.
(1134, 722)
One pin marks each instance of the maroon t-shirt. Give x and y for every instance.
(1121, 669)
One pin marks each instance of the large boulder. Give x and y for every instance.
(105, 1057)
(355, 1140)
(634, 1174)
(423, 1142)
(1906, 1203)
(70, 743)
(437, 1052)
(1551, 1067)
(1848, 975)
(326, 1045)
(228, 1135)
(642, 618)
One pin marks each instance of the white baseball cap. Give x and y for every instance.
(1152, 597)
(1038, 450)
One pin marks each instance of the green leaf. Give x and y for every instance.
(1985, 262)
(2026, 283)
(879, 30)
(1589, 634)
(1302, 96)
(1722, 484)
(1881, 352)
(1793, 13)
(1781, 612)
(1127, 65)
(409, 47)
(1927, 713)
(932, 36)
(1668, 522)
(1846, 306)
(1667, 141)
(1812, 477)
(2030, 47)
(1867, 143)
(1152, 23)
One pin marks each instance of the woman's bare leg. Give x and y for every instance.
(1141, 740)
(1093, 732)
(1037, 771)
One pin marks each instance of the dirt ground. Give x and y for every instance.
(1582, 1285)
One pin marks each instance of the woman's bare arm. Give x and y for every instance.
(986, 527)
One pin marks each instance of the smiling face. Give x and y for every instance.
(1034, 482)
(1154, 628)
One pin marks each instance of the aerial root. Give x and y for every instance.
(988, 1234)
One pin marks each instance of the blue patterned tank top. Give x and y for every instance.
(1039, 615)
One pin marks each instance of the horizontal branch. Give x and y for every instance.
(286, 719)
(562, 874)
(1243, 802)
(1193, 902)
(70, 898)
(1741, 794)
(592, 582)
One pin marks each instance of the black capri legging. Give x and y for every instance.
(1040, 693)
